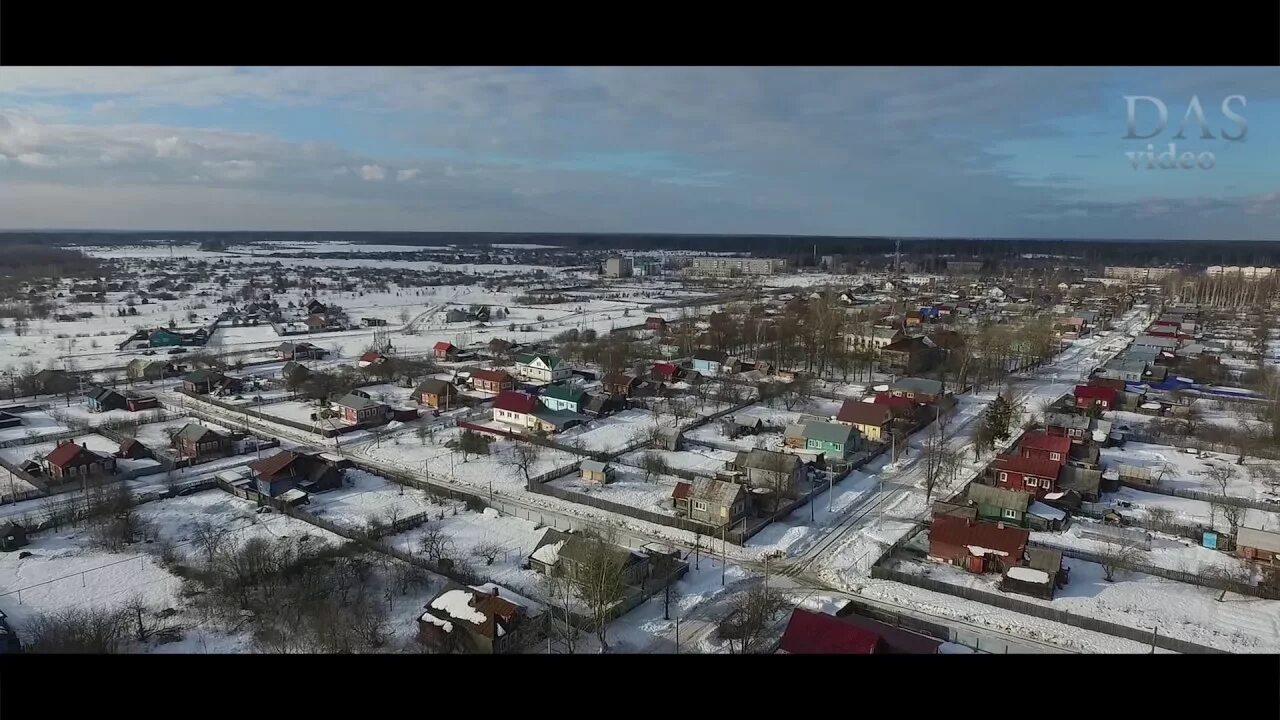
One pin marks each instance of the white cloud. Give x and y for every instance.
(233, 169)
(39, 160)
(406, 175)
(173, 147)
(373, 172)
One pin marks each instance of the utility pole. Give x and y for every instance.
(724, 554)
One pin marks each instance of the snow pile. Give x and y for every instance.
(979, 551)
(457, 603)
(1029, 575)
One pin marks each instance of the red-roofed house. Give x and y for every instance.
(444, 350)
(69, 461)
(977, 546)
(813, 633)
(492, 381)
(665, 372)
(1038, 477)
(1089, 395)
(370, 358)
(1043, 446)
(515, 408)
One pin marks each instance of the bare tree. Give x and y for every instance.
(138, 609)
(1220, 476)
(209, 539)
(487, 550)
(750, 616)
(1119, 556)
(1235, 576)
(1160, 519)
(602, 580)
(522, 459)
(1233, 514)
(435, 543)
(654, 464)
(941, 461)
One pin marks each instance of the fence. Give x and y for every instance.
(733, 536)
(1139, 434)
(313, 428)
(1206, 497)
(1044, 612)
(1216, 583)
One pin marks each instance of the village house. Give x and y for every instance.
(601, 405)
(299, 351)
(814, 633)
(1036, 476)
(499, 347)
(54, 382)
(439, 394)
(315, 307)
(709, 362)
(101, 399)
(131, 449)
(999, 504)
(288, 470)
(295, 373)
(872, 421)
(12, 537)
(202, 381)
(492, 381)
(774, 471)
(1043, 446)
(316, 322)
(372, 357)
(664, 372)
(568, 554)
(562, 397)
(71, 461)
(141, 369)
(1068, 425)
(655, 324)
(978, 547)
(356, 408)
(515, 408)
(1089, 396)
(835, 441)
(622, 384)
(542, 368)
(907, 356)
(486, 620)
(197, 442)
(444, 350)
(919, 390)
(710, 501)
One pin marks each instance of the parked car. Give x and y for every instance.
(148, 352)
(177, 351)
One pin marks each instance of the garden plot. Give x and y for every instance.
(81, 414)
(1188, 472)
(441, 463)
(629, 488)
(155, 436)
(298, 411)
(1140, 601)
(1167, 551)
(365, 496)
(390, 393)
(512, 540)
(34, 424)
(695, 460)
(251, 399)
(612, 433)
(1187, 510)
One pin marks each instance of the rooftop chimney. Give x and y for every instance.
(494, 591)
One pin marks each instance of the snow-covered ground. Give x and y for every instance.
(513, 538)
(82, 414)
(629, 488)
(694, 459)
(1188, 612)
(1187, 472)
(97, 443)
(1186, 510)
(36, 423)
(365, 496)
(1167, 551)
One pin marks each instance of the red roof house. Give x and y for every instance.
(444, 350)
(515, 408)
(812, 633)
(665, 371)
(370, 358)
(1089, 395)
(1033, 475)
(1043, 446)
(977, 546)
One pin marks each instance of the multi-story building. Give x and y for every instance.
(1248, 272)
(729, 267)
(1141, 274)
(618, 267)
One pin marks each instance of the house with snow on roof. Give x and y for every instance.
(483, 619)
(711, 501)
(978, 547)
(71, 461)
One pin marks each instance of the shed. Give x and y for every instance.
(12, 537)
(596, 471)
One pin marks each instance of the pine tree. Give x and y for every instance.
(999, 416)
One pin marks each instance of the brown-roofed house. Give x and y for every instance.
(492, 381)
(872, 420)
(977, 546)
(69, 461)
(484, 620)
(287, 470)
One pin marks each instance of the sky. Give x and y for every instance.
(927, 152)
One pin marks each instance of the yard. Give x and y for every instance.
(34, 424)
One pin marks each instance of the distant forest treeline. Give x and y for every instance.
(796, 247)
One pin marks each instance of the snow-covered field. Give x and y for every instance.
(365, 496)
(629, 488)
(514, 538)
(82, 414)
(695, 459)
(1167, 551)
(1187, 472)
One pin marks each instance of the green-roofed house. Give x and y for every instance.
(542, 368)
(999, 505)
(562, 397)
(835, 440)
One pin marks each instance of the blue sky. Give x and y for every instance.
(836, 151)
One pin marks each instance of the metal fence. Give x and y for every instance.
(1044, 612)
